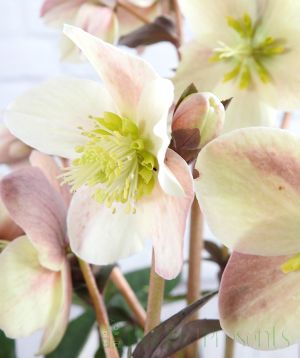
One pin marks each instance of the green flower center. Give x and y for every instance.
(250, 55)
(116, 161)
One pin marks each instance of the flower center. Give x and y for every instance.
(116, 161)
(250, 55)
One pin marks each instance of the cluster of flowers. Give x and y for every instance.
(130, 174)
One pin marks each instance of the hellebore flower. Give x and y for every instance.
(35, 284)
(105, 19)
(248, 50)
(128, 185)
(248, 189)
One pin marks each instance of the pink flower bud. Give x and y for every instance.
(197, 120)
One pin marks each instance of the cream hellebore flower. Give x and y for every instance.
(249, 190)
(248, 50)
(128, 185)
(35, 284)
(105, 19)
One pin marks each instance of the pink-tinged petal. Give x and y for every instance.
(51, 170)
(99, 236)
(50, 117)
(249, 190)
(163, 219)
(99, 21)
(59, 319)
(12, 150)
(57, 12)
(39, 210)
(9, 230)
(27, 290)
(124, 75)
(48, 5)
(259, 304)
(129, 22)
(102, 237)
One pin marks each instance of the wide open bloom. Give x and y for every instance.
(249, 189)
(129, 186)
(35, 284)
(248, 50)
(105, 19)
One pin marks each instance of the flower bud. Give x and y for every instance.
(197, 120)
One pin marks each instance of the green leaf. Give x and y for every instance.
(75, 336)
(7, 347)
(186, 334)
(139, 282)
(157, 342)
(101, 273)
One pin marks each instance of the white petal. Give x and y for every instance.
(59, 319)
(152, 114)
(249, 190)
(26, 290)
(207, 16)
(97, 235)
(124, 75)
(142, 3)
(197, 68)
(248, 110)
(48, 116)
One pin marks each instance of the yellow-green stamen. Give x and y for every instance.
(293, 264)
(250, 55)
(116, 160)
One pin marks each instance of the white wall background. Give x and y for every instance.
(28, 55)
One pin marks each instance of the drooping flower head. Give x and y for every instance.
(247, 50)
(106, 19)
(129, 185)
(248, 189)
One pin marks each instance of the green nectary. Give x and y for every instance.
(116, 160)
(251, 54)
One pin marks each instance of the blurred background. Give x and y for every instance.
(29, 55)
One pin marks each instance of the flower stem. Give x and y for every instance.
(194, 275)
(229, 347)
(101, 314)
(286, 120)
(179, 27)
(123, 286)
(155, 298)
(130, 9)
